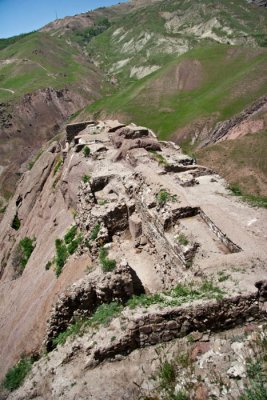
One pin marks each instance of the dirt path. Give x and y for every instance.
(8, 90)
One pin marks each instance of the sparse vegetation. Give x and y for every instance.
(256, 388)
(163, 197)
(106, 263)
(222, 276)
(66, 247)
(25, 249)
(86, 151)
(61, 256)
(57, 166)
(102, 316)
(177, 296)
(86, 178)
(16, 375)
(70, 235)
(158, 157)
(16, 223)
(182, 239)
(256, 201)
(95, 232)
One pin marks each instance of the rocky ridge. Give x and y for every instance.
(163, 220)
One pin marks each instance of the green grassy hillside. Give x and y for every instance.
(208, 83)
(38, 61)
(150, 36)
(241, 166)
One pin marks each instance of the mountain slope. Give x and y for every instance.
(205, 85)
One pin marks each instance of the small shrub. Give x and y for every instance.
(223, 276)
(27, 246)
(167, 375)
(106, 263)
(163, 197)
(86, 178)
(57, 166)
(86, 151)
(104, 314)
(71, 330)
(95, 232)
(72, 247)
(61, 256)
(182, 239)
(16, 375)
(70, 235)
(16, 223)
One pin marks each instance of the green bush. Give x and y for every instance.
(16, 223)
(16, 375)
(61, 256)
(27, 246)
(86, 178)
(163, 196)
(95, 232)
(182, 239)
(70, 235)
(106, 263)
(72, 247)
(86, 151)
(167, 375)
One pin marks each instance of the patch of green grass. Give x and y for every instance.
(16, 375)
(27, 246)
(72, 247)
(107, 264)
(222, 276)
(70, 235)
(163, 197)
(158, 157)
(16, 223)
(182, 239)
(95, 231)
(167, 375)
(72, 330)
(177, 296)
(66, 247)
(61, 256)
(254, 200)
(86, 151)
(58, 165)
(86, 178)
(102, 316)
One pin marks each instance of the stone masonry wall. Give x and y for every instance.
(178, 322)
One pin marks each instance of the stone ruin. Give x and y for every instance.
(155, 212)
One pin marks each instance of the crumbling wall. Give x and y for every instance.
(83, 297)
(178, 322)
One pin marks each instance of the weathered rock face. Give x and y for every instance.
(223, 130)
(48, 108)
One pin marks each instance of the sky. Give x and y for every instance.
(21, 16)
